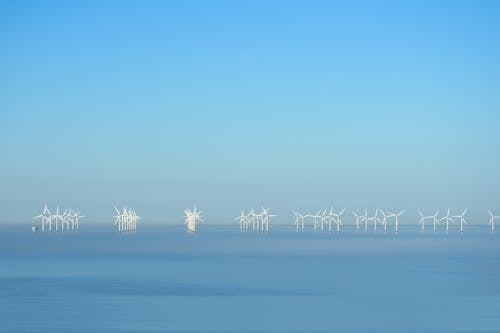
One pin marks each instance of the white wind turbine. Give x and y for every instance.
(299, 219)
(396, 223)
(265, 218)
(315, 219)
(135, 218)
(46, 217)
(57, 217)
(435, 220)
(462, 220)
(384, 220)
(492, 220)
(356, 220)
(125, 219)
(323, 219)
(75, 223)
(338, 219)
(422, 220)
(366, 219)
(192, 216)
(375, 220)
(65, 219)
(242, 219)
(253, 219)
(447, 218)
(119, 219)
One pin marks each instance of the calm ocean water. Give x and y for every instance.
(221, 280)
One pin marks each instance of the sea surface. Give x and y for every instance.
(162, 279)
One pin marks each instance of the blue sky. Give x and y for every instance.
(230, 105)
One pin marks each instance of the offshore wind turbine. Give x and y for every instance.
(323, 219)
(315, 219)
(447, 218)
(57, 217)
(253, 219)
(75, 221)
(422, 220)
(65, 219)
(118, 219)
(125, 219)
(192, 216)
(46, 217)
(365, 218)
(435, 220)
(242, 219)
(396, 216)
(375, 220)
(265, 218)
(492, 220)
(356, 220)
(338, 219)
(299, 219)
(384, 220)
(462, 220)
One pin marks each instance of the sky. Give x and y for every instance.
(229, 105)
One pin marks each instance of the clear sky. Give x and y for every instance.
(230, 105)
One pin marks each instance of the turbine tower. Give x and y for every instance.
(435, 220)
(265, 219)
(338, 219)
(492, 220)
(299, 219)
(462, 220)
(447, 218)
(243, 220)
(365, 218)
(46, 217)
(422, 220)
(192, 216)
(384, 220)
(396, 223)
(356, 220)
(375, 219)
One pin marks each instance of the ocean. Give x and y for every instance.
(162, 279)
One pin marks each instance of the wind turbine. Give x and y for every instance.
(265, 219)
(338, 219)
(375, 219)
(125, 219)
(422, 220)
(492, 220)
(192, 216)
(299, 218)
(118, 219)
(46, 217)
(435, 219)
(315, 219)
(356, 220)
(365, 218)
(56, 217)
(396, 223)
(462, 220)
(323, 219)
(242, 219)
(75, 222)
(384, 220)
(447, 218)
(254, 219)
(65, 218)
